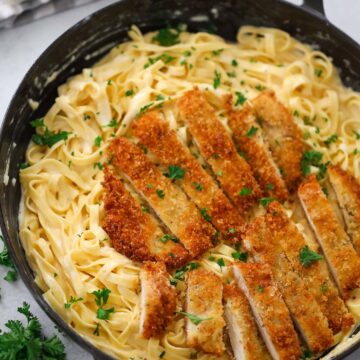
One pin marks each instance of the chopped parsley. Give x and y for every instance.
(217, 52)
(112, 124)
(27, 342)
(306, 355)
(296, 113)
(234, 62)
(24, 165)
(129, 93)
(357, 135)
(318, 72)
(252, 131)
(245, 191)
(167, 237)
(217, 79)
(97, 330)
(197, 186)
(324, 287)
(37, 123)
(240, 98)
(109, 82)
(145, 108)
(313, 158)
(180, 273)
(307, 256)
(270, 186)
(101, 298)
(167, 36)
(72, 301)
(160, 193)
(331, 139)
(193, 318)
(5, 260)
(175, 172)
(232, 231)
(162, 354)
(144, 209)
(165, 58)
(242, 256)
(98, 165)
(97, 141)
(49, 138)
(160, 97)
(220, 262)
(143, 148)
(260, 87)
(205, 215)
(260, 289)
(266, 201)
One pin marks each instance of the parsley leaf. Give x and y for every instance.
(112, 124)
(180, 273)
(49, 138)
(5, 260)
(175, 172)
(307, 256)
(266, 201)
(252, 131)
(205, 215)
(160, 193)
(318, 72)
(101, 298)
(72, 301)
(145, 108)
(220, 262)
(167, 36)
(331, 139)
(197, 186)
(217, 52)
(234, 62)
(310, 158)
(217, 79)
(193, 318)
(245, 191)
(37, 123)
(240, 98)
(242, 256)
(129, 93)
(260, 289)
(167, 237)
(97, 141)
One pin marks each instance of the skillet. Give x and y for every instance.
(87, 41)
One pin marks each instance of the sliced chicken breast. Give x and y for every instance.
(133, 231)
(347, 191)
(249, 137)
(215, 144)
(271, 314)
(283, 135)
(245, 339)
(341, 257)
(155, 133)
(263, 240)
(158, 300)
(172, 206)
(204, 323)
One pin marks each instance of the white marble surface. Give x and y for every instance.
(20, 47)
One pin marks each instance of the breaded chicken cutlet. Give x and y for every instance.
(283, 136)
(171, 205)
(271, 314)
(134, 232)
(158, 300)
(154, 132)
(341, 257)
(347, 191)
(204, 300)
(215, 144)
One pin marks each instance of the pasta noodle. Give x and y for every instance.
(61, 207)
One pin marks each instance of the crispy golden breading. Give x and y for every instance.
(246, 341)
(283, 135)
(271, 314)
(204, 300)
(342, 259)
(263, 239)
(256, 151)
(158, 300)
(155, 133)
(347, 191)
(232, 171)
(315, 276)
(133, 232)
(172, 206)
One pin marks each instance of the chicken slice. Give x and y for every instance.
(269, 309)
(263, 240)
(155, 133)
(283, 135)
(231, 170)
(204, 302)
(347, 191)
(341, 257)
(171, 205)
(158, 300)
(133, 231)
(315, 276)
(245, 339)
(243, 123)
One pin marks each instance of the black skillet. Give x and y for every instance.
(98, 33)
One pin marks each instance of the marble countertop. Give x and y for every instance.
(19, 48)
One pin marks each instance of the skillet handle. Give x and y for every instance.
(315, 5)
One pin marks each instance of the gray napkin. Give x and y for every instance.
(16, 12)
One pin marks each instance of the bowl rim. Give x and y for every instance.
(28, 278)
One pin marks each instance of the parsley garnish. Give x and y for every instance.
(260, 87)
(129, 93)
(97, 141)
(193, 318)
(49, 138)
(307, 354)
(37, 123)
(27, 342)
(167, 237)
(144, 209)
(24, 165)
(145, 108)
(324, 287)
(252, 131)
(331, 139)
(217, 52)
(197, 186)
(240, 98)
(97, 330)
(357, 135)
(220, 262)
(313, 158)
(234, 63)
(112, 124)
(160, 193)
(5, 260)
(307, 256)
(205, 214)
(260, 289)
(98, 165)
(72, 301)
(270, 186)
(242, 256)
(175, 172)
(166, 58)
(245, 191)
(296, 113)
(180, 273)
(162, 354)
(167, 36)
(101, 298)
(266, 201)
(318, 72)
(217, 79)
